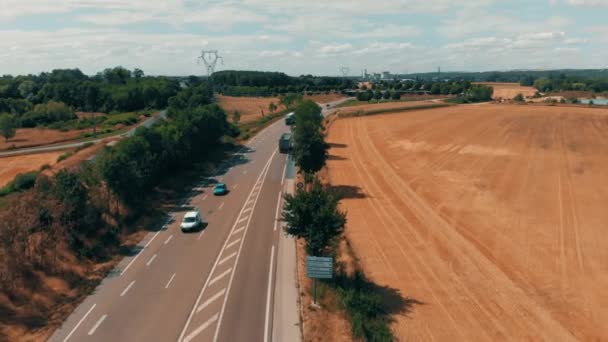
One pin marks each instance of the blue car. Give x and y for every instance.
(220, 189)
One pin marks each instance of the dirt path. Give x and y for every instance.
(491, 216)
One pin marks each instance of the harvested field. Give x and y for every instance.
(508, 91)
(490, 218)
(325, 98)
(27, 137)
(383, 106)
(250, 107)
(11, 166)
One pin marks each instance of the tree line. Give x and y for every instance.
(112, 90)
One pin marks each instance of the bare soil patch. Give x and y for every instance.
(325, 98)
(493, 217)
(12, 166)
(28, 137)
(508, 91)
(382, 106)
(251, 108)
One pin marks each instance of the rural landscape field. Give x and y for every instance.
(488, 219)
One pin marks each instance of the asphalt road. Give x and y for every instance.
(213, 285)
(64, 146)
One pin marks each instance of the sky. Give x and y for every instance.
(164, 37)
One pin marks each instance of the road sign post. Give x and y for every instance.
(318, 268)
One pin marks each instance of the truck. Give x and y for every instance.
(285, 143)
(290, 119)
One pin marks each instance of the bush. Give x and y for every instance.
(22, 181)
(64, 156)
(519, 98)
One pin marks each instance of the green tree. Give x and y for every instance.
(291, 100)
(272, 107)
(8, 126)
(26, 89)
(236, 117)
(314, 216)
(519, 98)
(310, 149)
(309, 111)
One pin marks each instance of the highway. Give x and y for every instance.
(213, 285)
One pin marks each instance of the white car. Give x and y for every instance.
(191, 221)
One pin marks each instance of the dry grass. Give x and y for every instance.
(251, 108)
(325, 98)
(11, 166)
(28, 137)
(508, 91)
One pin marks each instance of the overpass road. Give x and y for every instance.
(214, 285)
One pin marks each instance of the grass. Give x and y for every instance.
(249, 129)
(22, 181)
(394, 110)
(355, 102)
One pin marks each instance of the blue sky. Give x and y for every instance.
(302, 37)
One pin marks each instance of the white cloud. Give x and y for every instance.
(334, 49)
(589, 3)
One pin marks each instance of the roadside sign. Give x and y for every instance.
(300, 185)
(319, 267)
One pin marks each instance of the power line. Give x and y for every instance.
(210, 59)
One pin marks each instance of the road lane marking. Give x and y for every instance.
(221, 206)
(170, 280)
(127, 289)
(139, 253)
(216, 279)
(235, 186)
(204, 197)
(245, 172)
(92, 331)
(262, 176)
(151, 259)
(238, 230)
(211, 300)
(236, 263)
(80, 322)
(276, 215)
(201, 328)
(200, 235)
(283, 174)
(266, 326)
(169, 239)
(232, 243)
(248, 209)
(242, 219)
(228, 258)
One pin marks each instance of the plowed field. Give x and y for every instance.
(490, 220)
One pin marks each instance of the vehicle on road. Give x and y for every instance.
(192, 221)
(285, 143)
(220, 189)
(290, 119)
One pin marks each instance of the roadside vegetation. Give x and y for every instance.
(313, 215)
(68, 225)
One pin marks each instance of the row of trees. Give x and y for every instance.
(115, 89)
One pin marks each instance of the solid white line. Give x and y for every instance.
(201, 328)
(232, 243)
(170, 280)
(202, 292)
(211, 300)
(283, 174)
(151, 259)
(169, 239)
(80, 322)
(200, 235)
(92, 331)
(138, 254)
(221, 206)
(238, 230)
(216, 279)
(236, 263)
(266, 326)
(228, 258)
(127, 289)
(276, 215)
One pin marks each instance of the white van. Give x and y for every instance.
(191, 221)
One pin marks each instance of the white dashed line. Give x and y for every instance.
(221, 206)
(204, 197)
(235, 186)
(92, 331)
(138, 254)
(200, 235)
(127, 289)
(201, 328)
(80, 322)
(169, 239)
(151, 259)
(170, 280)
(216, 279)
(233, 243)
(227, 258)
(211, 300)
